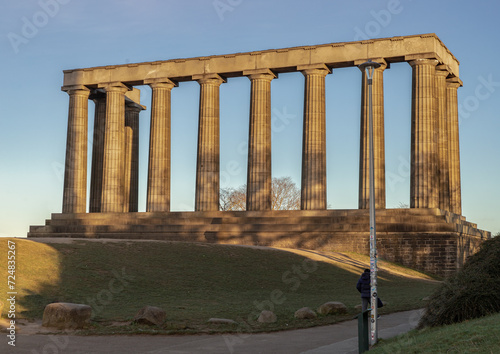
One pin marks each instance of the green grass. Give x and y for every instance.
(476, 336)
(194, 282)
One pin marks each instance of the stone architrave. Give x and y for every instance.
(378, 139)
(97, 153)
(75, 172)
(443, 153)
(114, 146)
(453, 145)
(424, 181)
(208, 156)
(313, 187)
(259, 174)
(131, 196)
(158, 190)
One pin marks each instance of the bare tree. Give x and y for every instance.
(233, 199)
(285, 196)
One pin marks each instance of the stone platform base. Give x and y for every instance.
(430, 240)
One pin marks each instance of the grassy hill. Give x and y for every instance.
(194, 282)
(477, 336)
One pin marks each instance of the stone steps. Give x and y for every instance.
(174, 220)
(246, 227)
(291, 222)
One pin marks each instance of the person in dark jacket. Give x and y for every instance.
(363, 287)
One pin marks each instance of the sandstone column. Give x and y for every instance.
(158, 194)
(378, 140)
(453, 145)
(131, 195)
(443, 154)
(208, 157)
(313, 187)
(75, 171)
(424, 184)
(97, 153)
(114, 147)
(259, 177)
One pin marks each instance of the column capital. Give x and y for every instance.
(442, 73)
(454, 82)
(209, 79)
(444, 67)
(422, 61)
(134, 106)
(161, 82)
(114, 87)
(314, 69)
(383, 64)
(443, 70)
(263, 74)
(76, 90)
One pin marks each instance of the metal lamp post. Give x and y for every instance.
(369, 67)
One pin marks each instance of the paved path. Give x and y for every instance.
(337, 338)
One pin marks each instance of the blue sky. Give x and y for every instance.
(39, 39)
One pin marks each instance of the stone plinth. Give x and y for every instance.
(430, 240)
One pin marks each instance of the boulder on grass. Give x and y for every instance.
(222, 321)
(64, 315)
(150, 315)
(267, 317)
(332, 308)
(305, 313)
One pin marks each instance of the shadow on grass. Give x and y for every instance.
(195, 282)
